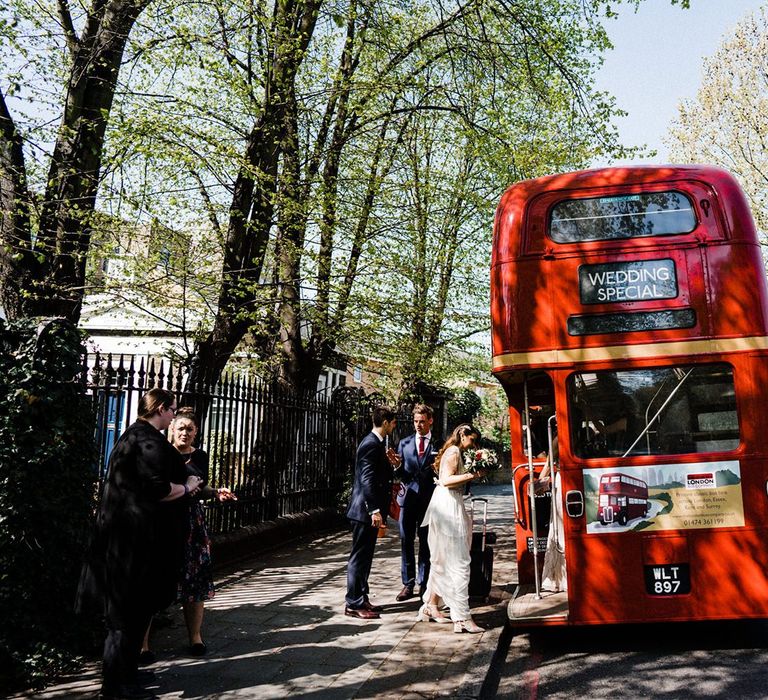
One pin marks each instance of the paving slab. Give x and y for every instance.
(277, 629)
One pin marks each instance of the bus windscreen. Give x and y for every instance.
(621, 216)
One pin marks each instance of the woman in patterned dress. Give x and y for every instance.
(196, 583)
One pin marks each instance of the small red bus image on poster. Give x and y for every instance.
(621, 498)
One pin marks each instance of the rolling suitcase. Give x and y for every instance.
(481, 555)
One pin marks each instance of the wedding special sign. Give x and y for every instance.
(679, 497)
(633, 280)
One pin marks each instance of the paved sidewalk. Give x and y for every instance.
(277, 629)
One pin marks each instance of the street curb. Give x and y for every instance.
(490, 685)
(483, 674)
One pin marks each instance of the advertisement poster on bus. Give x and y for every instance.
(664, 497)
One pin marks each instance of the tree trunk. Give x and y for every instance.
(253, 203)
(16, 260)
(53, 284)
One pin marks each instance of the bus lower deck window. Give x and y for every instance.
(655, 410)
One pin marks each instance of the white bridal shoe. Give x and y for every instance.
(429, 614)
(467, 625)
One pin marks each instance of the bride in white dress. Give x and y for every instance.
(554, 576)
(450, 535)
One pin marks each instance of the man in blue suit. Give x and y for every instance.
(371, 493)
(416, 460)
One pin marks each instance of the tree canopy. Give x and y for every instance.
(727, 122)
(337, 162)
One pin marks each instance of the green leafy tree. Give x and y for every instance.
(46, 206)
(47, 484)
(493, 419)
(464, 407)
(727, 122)
(372, 125)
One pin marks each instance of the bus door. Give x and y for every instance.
(534, 437)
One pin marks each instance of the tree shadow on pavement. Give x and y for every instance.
(280, 646)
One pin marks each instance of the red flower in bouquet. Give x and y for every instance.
(481, 460)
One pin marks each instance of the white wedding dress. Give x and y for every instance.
(449, 537)
(553, 576)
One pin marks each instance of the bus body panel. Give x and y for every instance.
(527, 287)
(728, 566)
(614, 579)
(637, 574)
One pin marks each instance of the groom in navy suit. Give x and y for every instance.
(416, 459)
(371, 493)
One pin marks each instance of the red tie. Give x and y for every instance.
(421, 446)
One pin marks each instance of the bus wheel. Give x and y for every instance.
(623, 519)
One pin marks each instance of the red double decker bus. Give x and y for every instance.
(621, 498)
(630, 319)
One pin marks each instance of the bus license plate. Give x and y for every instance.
(667, 579)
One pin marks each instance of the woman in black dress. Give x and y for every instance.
(138, 547)
(196, 583)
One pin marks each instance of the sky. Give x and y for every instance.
(657, 59)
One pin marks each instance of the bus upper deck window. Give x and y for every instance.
(621, 216)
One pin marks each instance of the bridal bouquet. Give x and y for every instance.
(481, 460)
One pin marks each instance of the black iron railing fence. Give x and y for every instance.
(281, 453)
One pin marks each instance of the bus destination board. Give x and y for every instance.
(627, 281)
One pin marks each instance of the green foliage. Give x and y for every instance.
(520, 104)
(464, 407)
(725, 124)
(47, 482)
(667, 499)
(493, 419)
(379, 229)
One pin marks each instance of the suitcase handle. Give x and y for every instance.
(484, 501)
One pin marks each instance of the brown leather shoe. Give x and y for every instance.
(367, 605)
(406, 593)
(362, 613)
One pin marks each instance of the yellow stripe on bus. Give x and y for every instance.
(626, 352)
